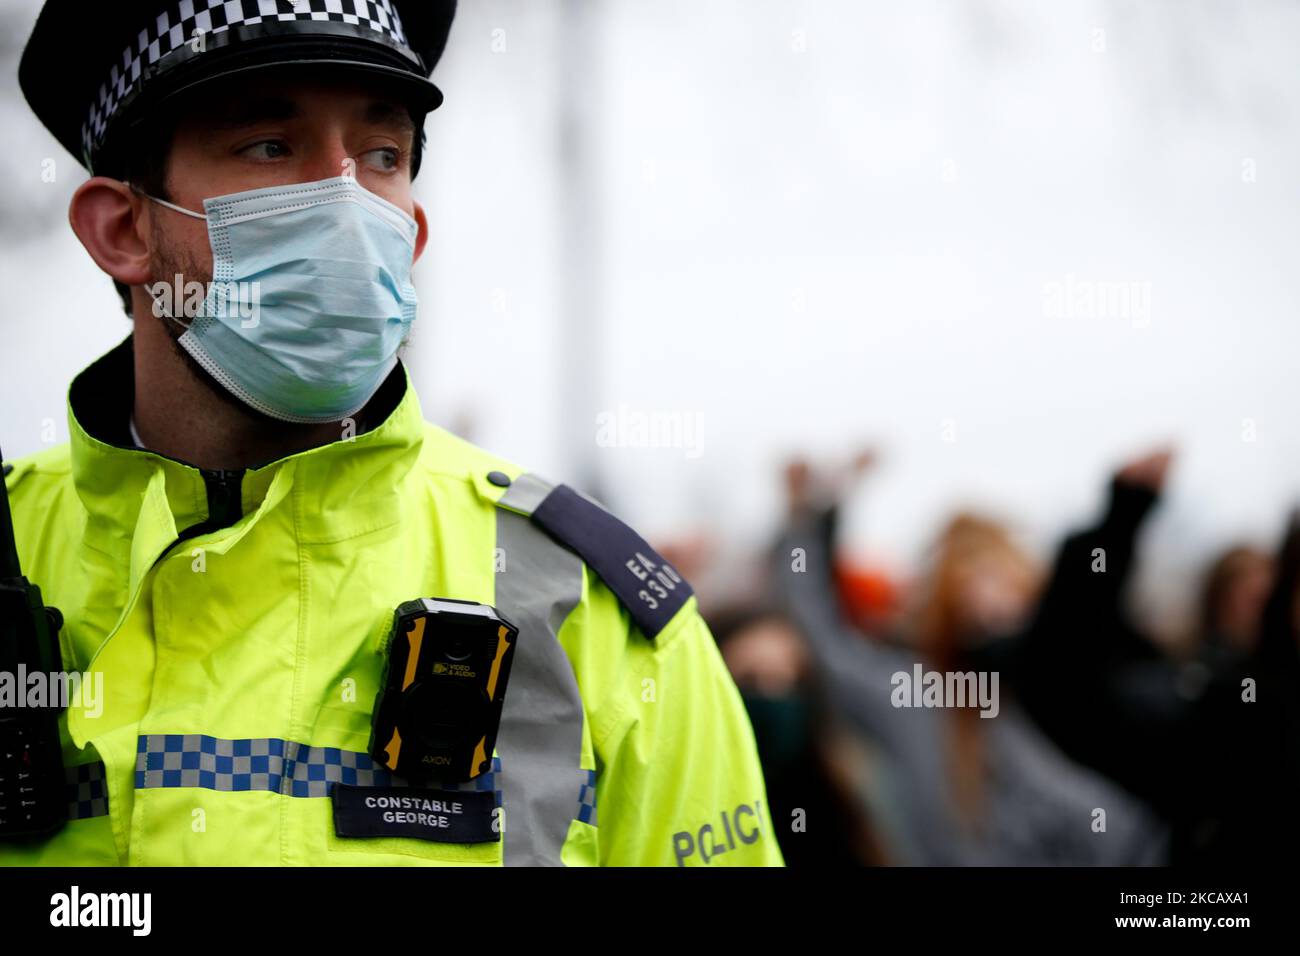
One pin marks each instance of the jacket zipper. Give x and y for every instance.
(225, 505)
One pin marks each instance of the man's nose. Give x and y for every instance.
(329, 160)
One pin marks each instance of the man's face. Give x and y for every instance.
(261, 133)
(264, 133)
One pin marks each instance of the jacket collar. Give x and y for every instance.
(139, 502)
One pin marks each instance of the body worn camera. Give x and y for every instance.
(33, 787)
(439, 704)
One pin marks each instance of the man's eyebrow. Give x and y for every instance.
(242, 113)
(389, 113)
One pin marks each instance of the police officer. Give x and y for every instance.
(250, 489)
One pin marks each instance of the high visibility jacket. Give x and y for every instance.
(238, 620)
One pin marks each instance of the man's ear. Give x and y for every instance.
(423, 235)
(106, 216)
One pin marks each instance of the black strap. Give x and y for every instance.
(647, 585)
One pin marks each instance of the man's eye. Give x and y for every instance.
(385, 158)
(267, 149)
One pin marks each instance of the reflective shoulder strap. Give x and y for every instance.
(538, 584)
(545, 532)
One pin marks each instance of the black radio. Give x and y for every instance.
(33, 788)
(439, 704)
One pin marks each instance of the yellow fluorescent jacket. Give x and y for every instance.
(240, 663)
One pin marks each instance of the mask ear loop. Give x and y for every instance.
(163, 202)
(158, 300)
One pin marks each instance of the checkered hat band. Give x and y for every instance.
(185, 21)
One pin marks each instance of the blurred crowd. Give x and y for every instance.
(1102, 745)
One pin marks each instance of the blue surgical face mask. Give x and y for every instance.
(310, 299)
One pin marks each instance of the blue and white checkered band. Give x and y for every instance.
(187, 24)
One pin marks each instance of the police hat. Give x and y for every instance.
(93, 70)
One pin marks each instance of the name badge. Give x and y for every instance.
(442, 816)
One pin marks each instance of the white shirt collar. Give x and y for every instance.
(135, 435)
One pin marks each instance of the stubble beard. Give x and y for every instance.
(165, 265)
